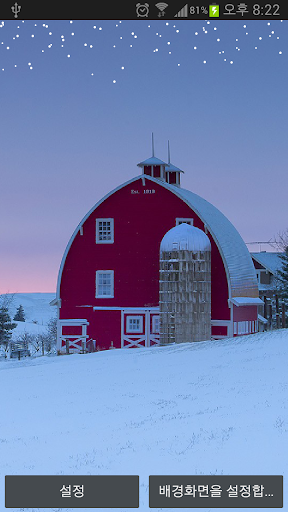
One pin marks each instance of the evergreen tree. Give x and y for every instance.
(282, 275)
(20, 315)
(6, 326)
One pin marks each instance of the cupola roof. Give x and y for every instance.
(170, 167)
(152, 161)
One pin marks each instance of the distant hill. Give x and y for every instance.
(36, 308)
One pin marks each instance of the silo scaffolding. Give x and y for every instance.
(185, 286)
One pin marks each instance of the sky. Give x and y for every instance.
(80, 99)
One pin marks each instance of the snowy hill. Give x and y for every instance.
(204, 408)
(36, 308)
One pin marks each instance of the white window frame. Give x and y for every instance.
(155, 320)
(97, 294)
(134, 317)
(112, 231)
(181, 220)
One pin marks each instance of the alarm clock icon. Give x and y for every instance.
(142, 10)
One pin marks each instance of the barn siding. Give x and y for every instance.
(106, 327)
(141, 218)
(218, 330)
(258, 265)
(244, 313)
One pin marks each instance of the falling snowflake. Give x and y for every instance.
(58, 40)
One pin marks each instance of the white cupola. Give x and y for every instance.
(153, 166)
(161, 170)
(172, 172)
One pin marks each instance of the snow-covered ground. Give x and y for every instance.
(197, 408)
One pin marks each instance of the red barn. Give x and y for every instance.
(108, 284)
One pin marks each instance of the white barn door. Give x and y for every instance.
(139, 328)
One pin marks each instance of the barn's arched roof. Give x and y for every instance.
(242, 279)
(240, 271)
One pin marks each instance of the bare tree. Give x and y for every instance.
(281, 240)
(45, 342)
(7, 300)
(51, 334)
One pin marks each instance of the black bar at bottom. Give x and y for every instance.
(64, 491)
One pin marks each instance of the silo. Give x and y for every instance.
(185, 285)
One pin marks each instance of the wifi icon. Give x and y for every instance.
(161, 6)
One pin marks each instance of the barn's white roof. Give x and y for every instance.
(247, 301)
(185, 237)
(262, 319)
(241, 274)
(240, 271)
(269, 260)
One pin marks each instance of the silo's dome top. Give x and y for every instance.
(185, 237)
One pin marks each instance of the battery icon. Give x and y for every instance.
(214, 11)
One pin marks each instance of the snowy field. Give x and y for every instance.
(206, 408)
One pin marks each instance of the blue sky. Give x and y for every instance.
(77, 117)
